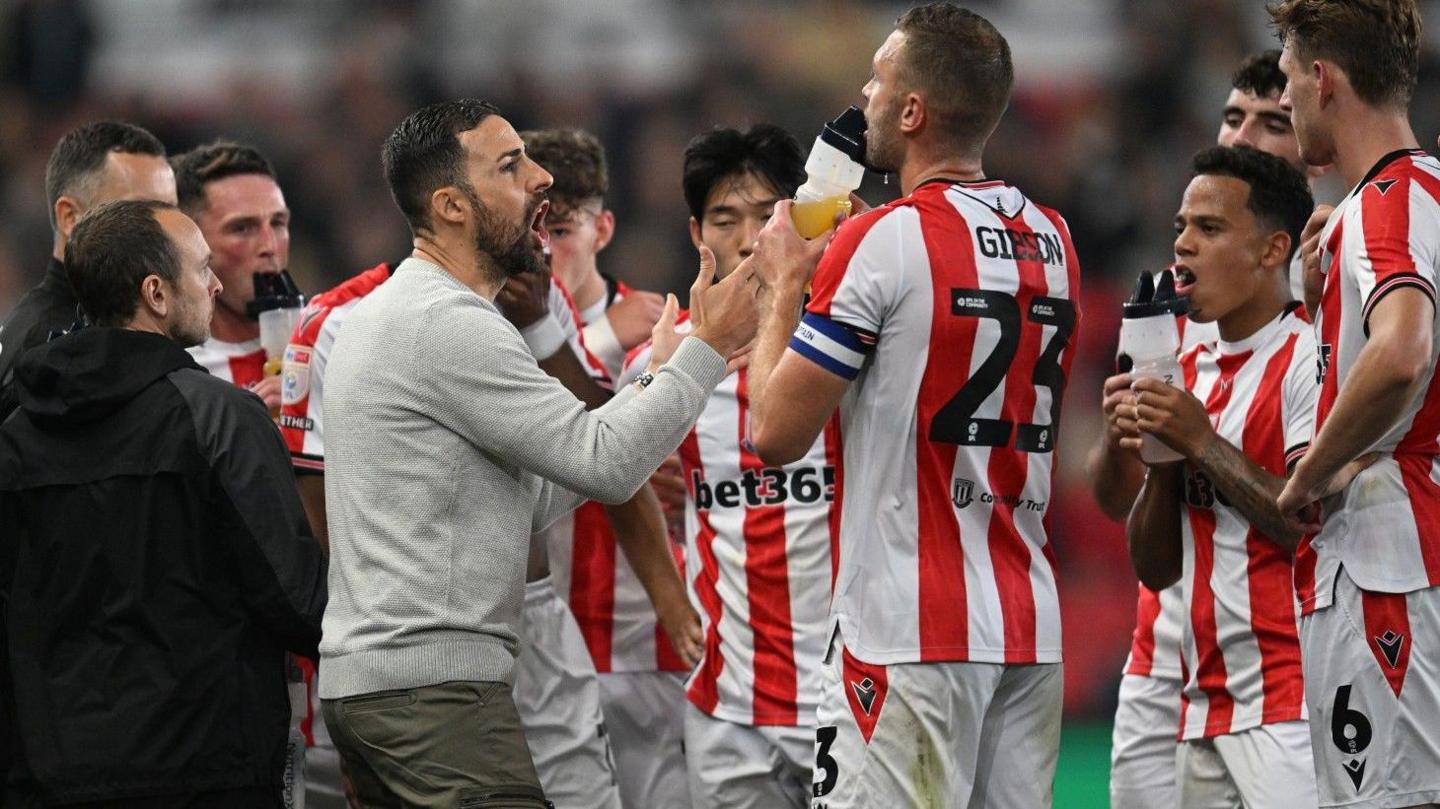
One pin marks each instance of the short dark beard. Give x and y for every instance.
(510, 251)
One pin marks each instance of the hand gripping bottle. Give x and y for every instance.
(276, 305)
(834, 169)
(1150, 344)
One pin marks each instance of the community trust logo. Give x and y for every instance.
(962, 494)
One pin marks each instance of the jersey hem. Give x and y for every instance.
(764, 720)
(1275, 717)
(952, 654)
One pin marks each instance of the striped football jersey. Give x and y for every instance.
(954, 311)
(759, 562)
(1384, 236)
(1241, 648)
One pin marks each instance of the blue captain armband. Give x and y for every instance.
(837, 348)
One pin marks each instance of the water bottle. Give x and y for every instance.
(832, 172)
(1149, 345)
(276, 305)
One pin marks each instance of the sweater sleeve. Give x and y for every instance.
(489, 389)
(281, 567)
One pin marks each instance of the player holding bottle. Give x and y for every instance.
(952, 310)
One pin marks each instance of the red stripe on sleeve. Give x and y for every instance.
(836, 261)
(1385, 225)
(835, 458)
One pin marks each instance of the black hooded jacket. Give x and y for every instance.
(155, 566)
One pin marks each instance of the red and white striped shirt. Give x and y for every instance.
(954, 309)
(1385, 235)
(610, 604)
(1159, 617)
(1241, 644)
(1159, 624)
(240, 364)
(302, 391)
(758, 545)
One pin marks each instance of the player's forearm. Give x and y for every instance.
(566, 367)
(1381, 384)
(639, 527)
(1250, 489)
(312, 497)
(1153, 530)
(778, 319)
(1115, 478)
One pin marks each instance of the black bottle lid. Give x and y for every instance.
(273, 291)
(847, 133)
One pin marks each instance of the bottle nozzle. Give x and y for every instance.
(1165, 287)
(273, 291)
(1144, 289)
(847, 134)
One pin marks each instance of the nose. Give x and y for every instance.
(215, 286)
(1244, 135)
(1285, 98)
(751, 233)
(1184, 246)
(543, 179)
(270, 241)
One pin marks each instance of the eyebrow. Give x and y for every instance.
(1276, 117)
(732, 209)
(516, 152)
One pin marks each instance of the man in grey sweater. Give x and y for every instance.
(446, 447)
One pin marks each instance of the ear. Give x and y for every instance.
(695, 233)
(912, 114)
(67, 213)
(1326, 78)
(448, 205)
(1276, 250)
(154, 297)
(604, 228)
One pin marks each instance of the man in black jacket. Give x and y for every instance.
(155, 562)
(92, 164)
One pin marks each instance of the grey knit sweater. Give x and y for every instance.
(445, 447)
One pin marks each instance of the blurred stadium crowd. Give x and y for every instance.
(1112, 97)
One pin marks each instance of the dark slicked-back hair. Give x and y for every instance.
(111, 251)
(961, 65)
(1260, 75)
(764, 150)
(79, 156)
(1376, 42)
(575, 159)
(214, 161)
(1279, 193)
(424, 153)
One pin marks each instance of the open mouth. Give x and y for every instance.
(1184, 281)
(537, 227)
